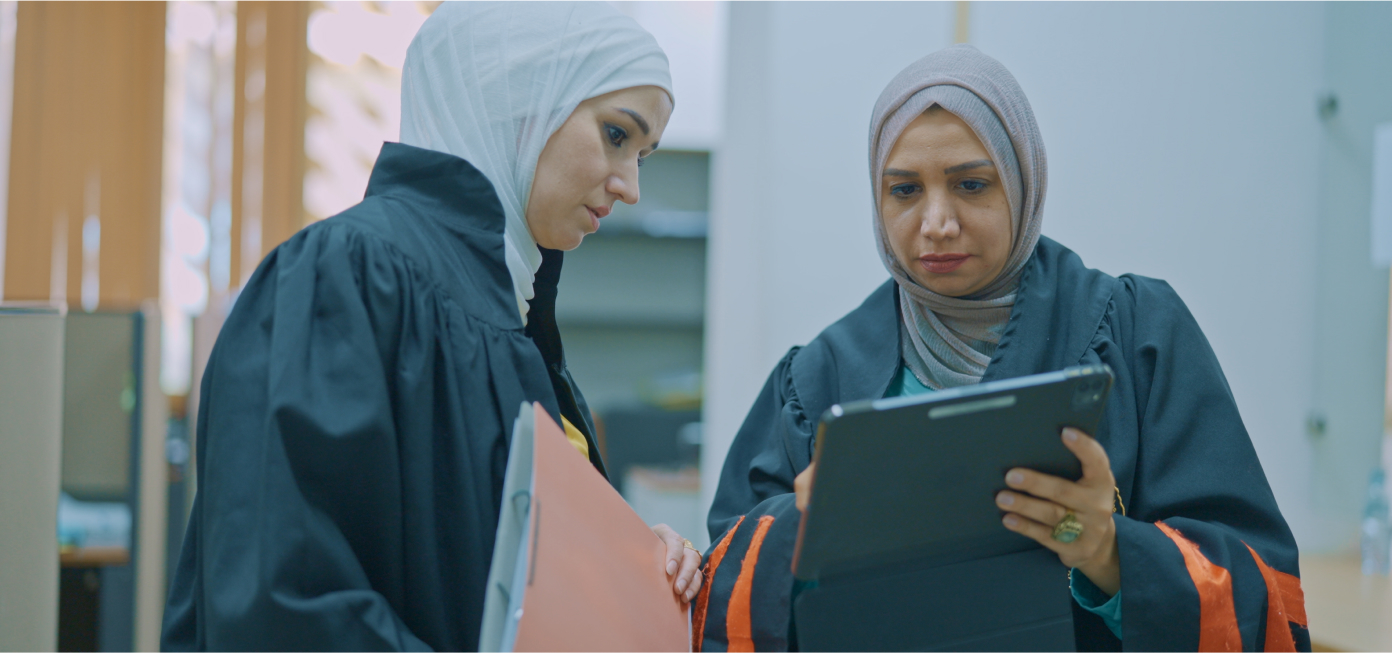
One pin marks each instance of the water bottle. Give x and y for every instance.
(1377, 531)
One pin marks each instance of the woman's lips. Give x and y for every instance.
(595, 215)
(942, 263)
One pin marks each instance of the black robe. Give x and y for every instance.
(1194, 491)
(356, 417)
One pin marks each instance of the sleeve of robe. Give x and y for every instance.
(753, 522)
(348, 472)
(1207, 561)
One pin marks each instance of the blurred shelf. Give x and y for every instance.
(1348, 611)
(631, 306)
(666, 496)
(31, 308)
(687, 144)
(684, 481)
(675, 188)
(655, 224)
(638, 319)
(616, 365)
(94, 556)
(634, 282)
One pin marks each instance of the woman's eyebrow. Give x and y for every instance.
(967, 166)
(642, 124)
(895, 172)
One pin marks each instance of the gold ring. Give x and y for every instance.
(687, 544)
(1068, 529)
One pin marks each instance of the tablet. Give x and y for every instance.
(915, 478)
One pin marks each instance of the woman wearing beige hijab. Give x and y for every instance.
(1173, 536)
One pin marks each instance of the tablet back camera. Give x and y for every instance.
(1088, 392)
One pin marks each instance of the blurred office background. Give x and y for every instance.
(157, 151)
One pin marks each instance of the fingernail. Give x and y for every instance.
(671, 567)
(688, 597)
(1012, 521)
(1005, 499)
(681, 585)
(1014, 478)
(1070, 435)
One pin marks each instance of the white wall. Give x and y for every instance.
(1183, 144)
(31, 434)
(1350, 293)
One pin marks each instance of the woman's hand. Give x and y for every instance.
(683, 564)
(1043, 501)
(802, 485)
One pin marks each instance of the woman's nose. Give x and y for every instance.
(623, 184)
(939, 219)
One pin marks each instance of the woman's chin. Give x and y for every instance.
(949, 285)
(563, 242)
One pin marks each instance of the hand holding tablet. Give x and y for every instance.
(1038, 505)
(910, 494)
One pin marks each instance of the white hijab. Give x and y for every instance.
(490, 82)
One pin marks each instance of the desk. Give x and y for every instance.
(1348, 611)
(93, 556)
(95, 586)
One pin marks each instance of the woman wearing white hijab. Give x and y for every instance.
(358, 403)
(1199, 556)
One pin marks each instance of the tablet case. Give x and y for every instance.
(902, 546)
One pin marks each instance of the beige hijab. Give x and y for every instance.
(949, 341)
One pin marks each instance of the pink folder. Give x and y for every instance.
(597, 579)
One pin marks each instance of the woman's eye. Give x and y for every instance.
(903, 190)
(617, 135)
(973, 185)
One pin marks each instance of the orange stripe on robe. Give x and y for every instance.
(1217, 616)
(1278, 616)
(1294, 598)
(738, 630)
(698, 625)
